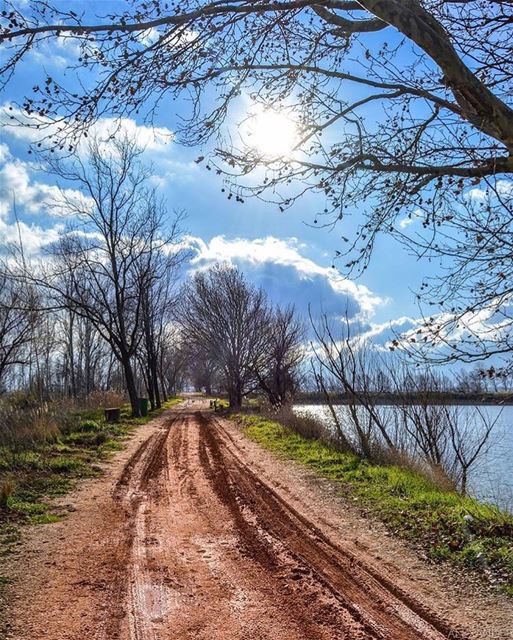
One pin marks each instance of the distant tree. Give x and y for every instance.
(19, 319)
(226, 318)
(346, 363)
(281, 371)
(173, 360)
(203, 369)
(157, 273)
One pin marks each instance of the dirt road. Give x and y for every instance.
(192, 543)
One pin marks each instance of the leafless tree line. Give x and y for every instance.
(95, 309)
(237, 340)
(446, 440)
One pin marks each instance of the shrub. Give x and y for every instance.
(104, 399)
(88, 426)
(23, 427)
(6, 489)
(63, 465)
(307, 426)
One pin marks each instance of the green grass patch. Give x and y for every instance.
(447, 526)
(30, 478)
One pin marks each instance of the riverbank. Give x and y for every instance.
(444, 525)
(394, 399)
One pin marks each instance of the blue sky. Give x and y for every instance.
(279, 251)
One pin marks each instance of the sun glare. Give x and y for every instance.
(271, 133)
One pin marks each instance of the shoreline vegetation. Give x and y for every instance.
(434, 398)
(56, 448)
(442, 524)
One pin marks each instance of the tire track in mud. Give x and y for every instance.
(218, 554)
(378, 606)
(143, 595)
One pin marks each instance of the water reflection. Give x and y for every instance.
(491, 479)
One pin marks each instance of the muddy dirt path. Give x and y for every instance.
(200, 546)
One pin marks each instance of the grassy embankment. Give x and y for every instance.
(446, 525)
(30, 476)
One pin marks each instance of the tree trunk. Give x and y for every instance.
(150, 386)
(131, 386)
(235, 399)
(153, 371)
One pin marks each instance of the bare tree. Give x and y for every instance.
(99, 266)
(173, 360)
(347, 364)
(470, 438)
(19, 318)
(158, 272)
(223, 316)
(450, 439)
(280, 375)
(203, 369)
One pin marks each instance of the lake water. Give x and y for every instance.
(492, 478)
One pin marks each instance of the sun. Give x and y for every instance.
(271, 133)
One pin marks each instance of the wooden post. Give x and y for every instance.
(113, 414)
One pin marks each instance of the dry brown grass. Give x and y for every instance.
(104, 399)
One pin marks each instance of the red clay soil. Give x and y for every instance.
(196, 533)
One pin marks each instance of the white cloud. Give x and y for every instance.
(405, 222)
(491, 324)
(16, 123)
(410, 218)
(31, 196)
(33, 237)
(285, 253)
(477, 194)
(504, 188)
(58, 52)
(20, 187)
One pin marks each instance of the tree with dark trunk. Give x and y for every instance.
(279, 377)
(158, 272)
(19, 319)
(98, 266)
(226, 318)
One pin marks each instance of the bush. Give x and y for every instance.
(64, 465)
(23, 427)
(104, 399)
(6, 489)
(88, 426)
(307, 426)
(87, 439)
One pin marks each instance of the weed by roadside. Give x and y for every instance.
(445, 525)
(49, 466)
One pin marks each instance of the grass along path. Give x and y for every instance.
(30, 478)
(446, 525)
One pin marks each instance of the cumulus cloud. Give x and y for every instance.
(33, 237)
(280, 267)
(57, 53)
(410, 219)
(17, 183)
(21, 188)
(502, 188)
(472, 331)
(19, 126)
